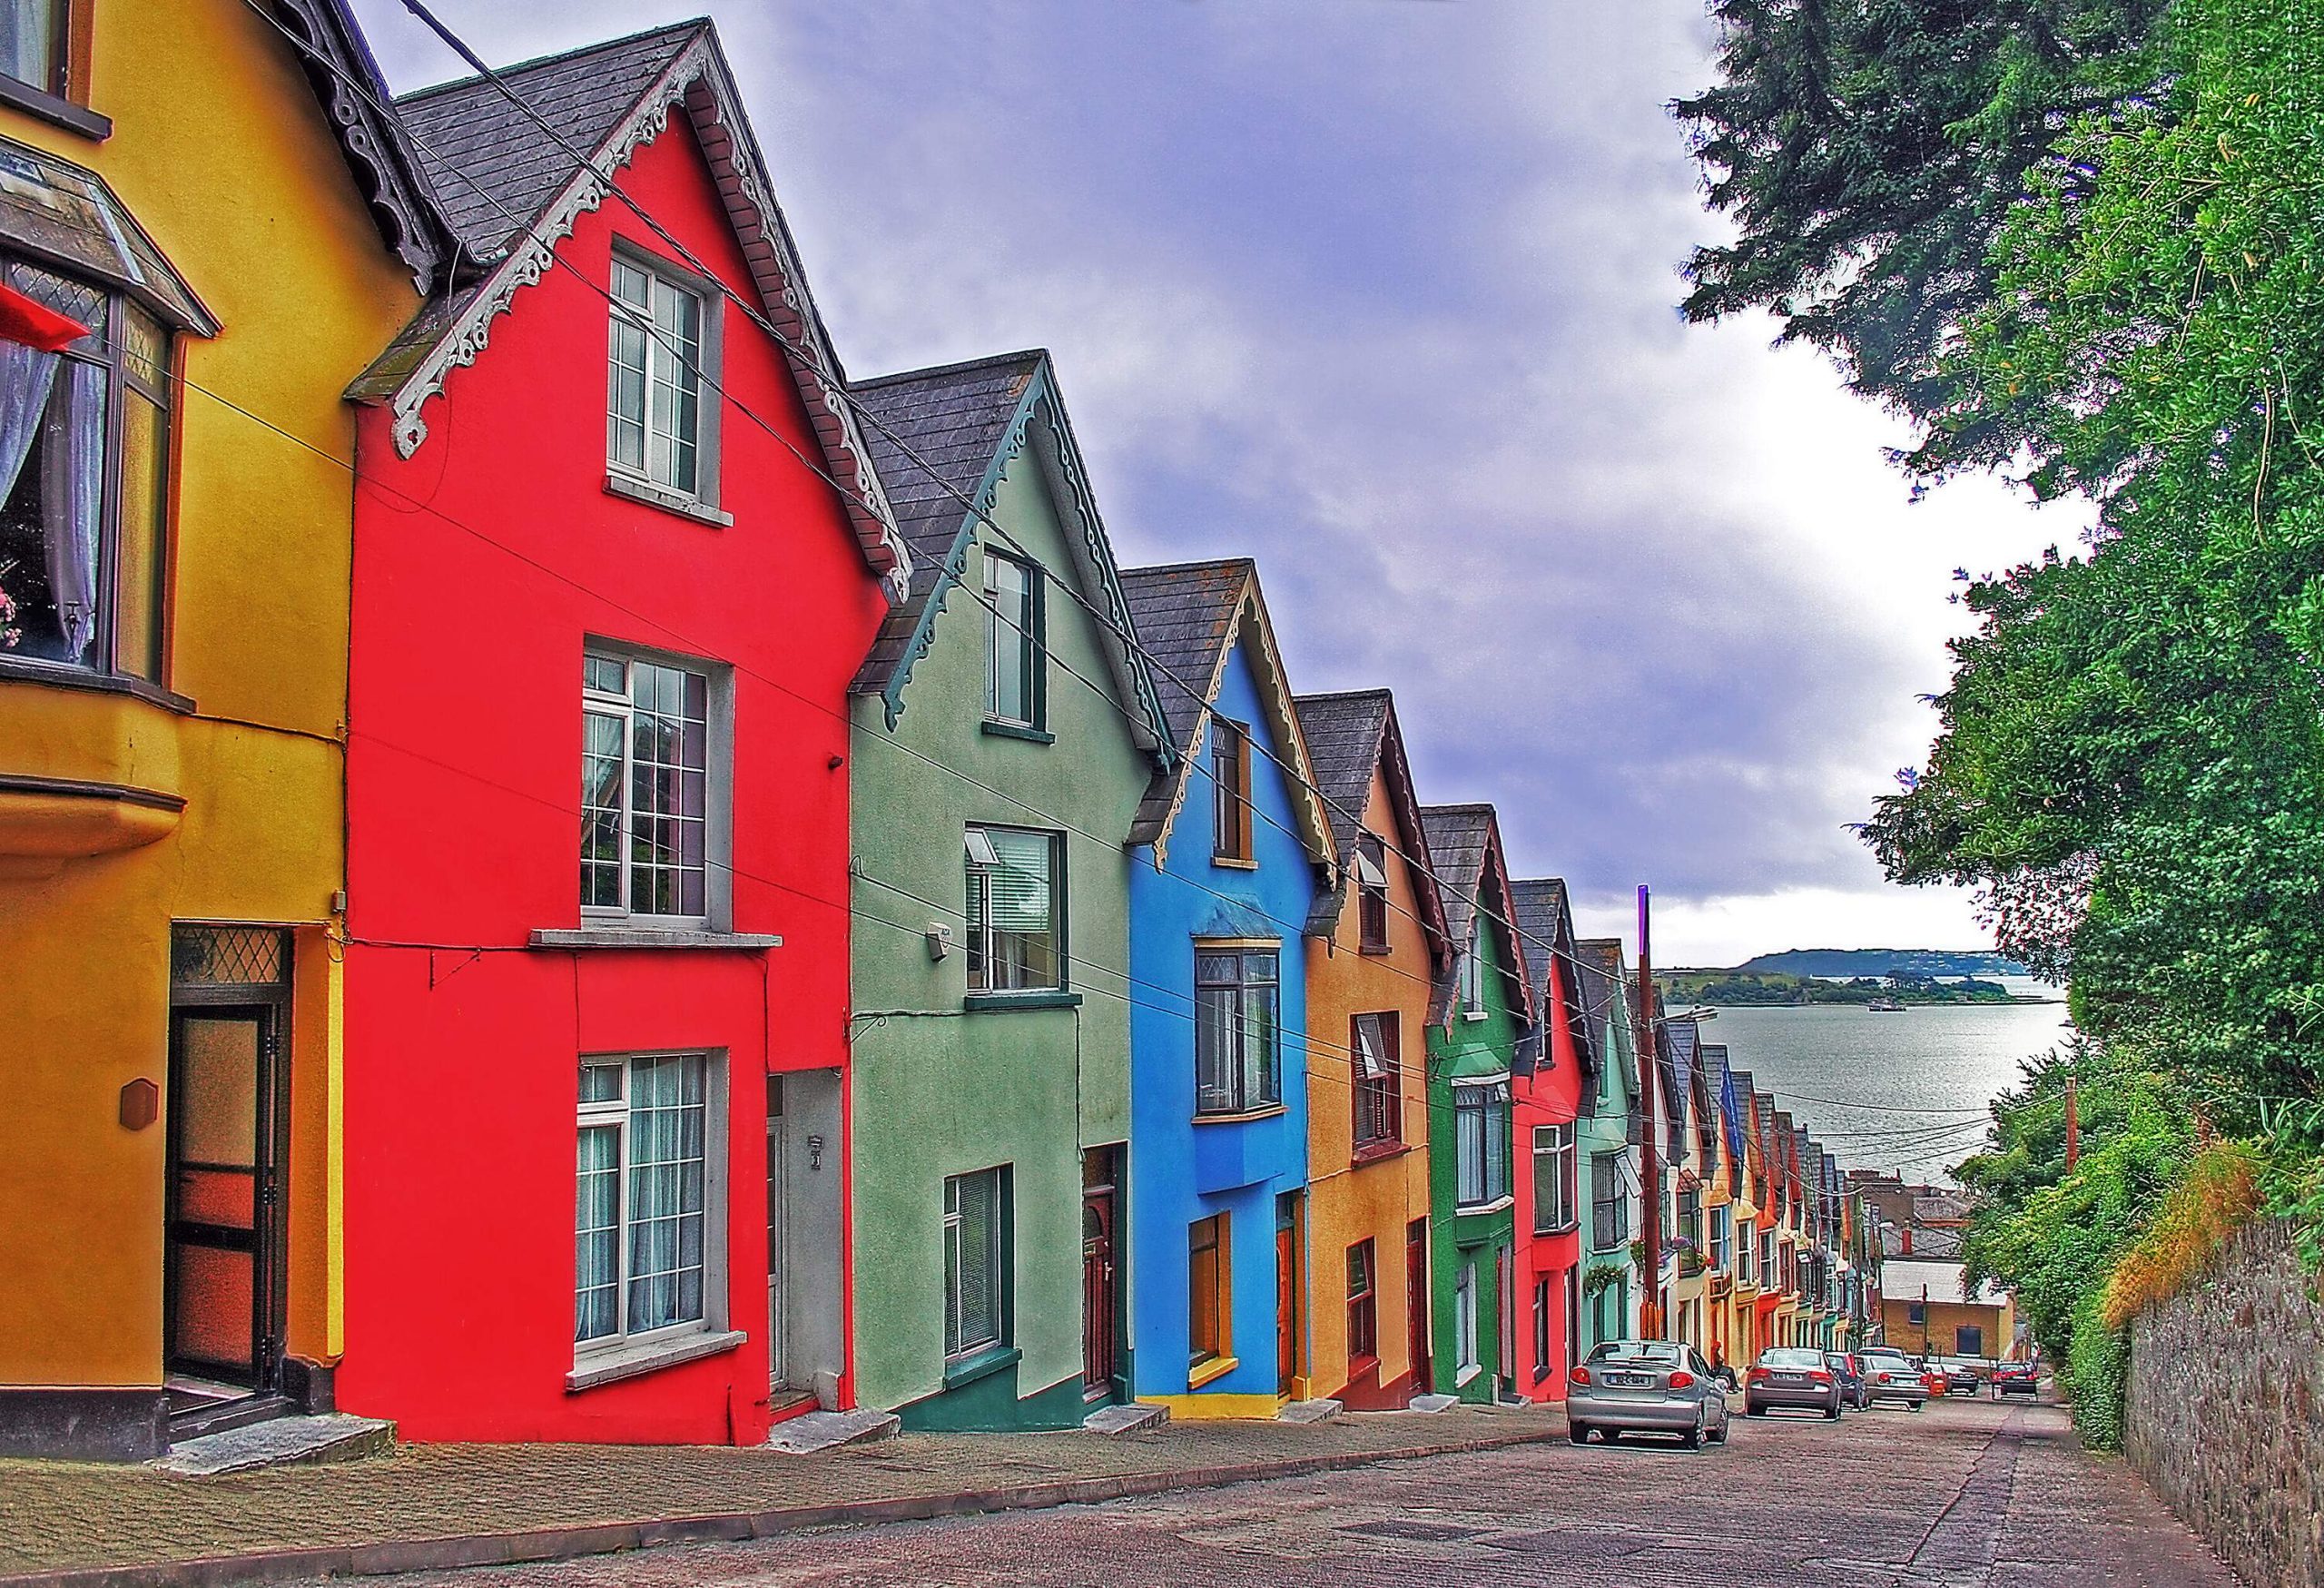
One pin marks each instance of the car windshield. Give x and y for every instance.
(1638, 1351)
(1791, 1358)
(1835, 1359)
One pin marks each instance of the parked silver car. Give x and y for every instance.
(1793, 1377)
(1894, 1376)
(1653, 1386)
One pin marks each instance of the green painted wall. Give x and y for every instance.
(942, 1089)
(1607, 1130)
(1460, 1047)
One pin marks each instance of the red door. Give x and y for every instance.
(1416, 1302)
(1100, 1292)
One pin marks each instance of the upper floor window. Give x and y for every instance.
(1238, 1034)
(1015, 912)
(1372, 890)
(655, 412)
(1481, 1143)
(31, 44)
(1473, 971)
(1609, 1202)
(646, 787)
(1720, 1216)
(1015, 654)
(1745, 1254)
(1554, 1178)
(1378, 1092)
(85, 446)
(1230, 777)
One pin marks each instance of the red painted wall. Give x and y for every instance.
(1551, 1096)
(480, 565)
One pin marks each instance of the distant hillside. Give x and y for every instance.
(1880, 962)
(1753, 987)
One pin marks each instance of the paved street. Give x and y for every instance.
(1967, 1492)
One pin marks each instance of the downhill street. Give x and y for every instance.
(1967, 1492)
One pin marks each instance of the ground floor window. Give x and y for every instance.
(1969, 1340)
(1541, 1326)
(975, 1281)
(1209, 1290)
(1363, 1304)
(647, 1197)
(1464, 1317)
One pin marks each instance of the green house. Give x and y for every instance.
(1003, 734)
(1478, 1014)
(1610, 1124)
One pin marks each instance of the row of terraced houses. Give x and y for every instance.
(965, 978)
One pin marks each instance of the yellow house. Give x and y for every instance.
(1368, 985)
(208, 190)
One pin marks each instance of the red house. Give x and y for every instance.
(617, 556)
(1557, 1065)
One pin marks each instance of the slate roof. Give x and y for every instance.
(1350, 736)
(954, 419)
(1185, 616)
(1461, 839)
(1605, 979)
(489, 161)
(1545, 915)
(1713, 1056)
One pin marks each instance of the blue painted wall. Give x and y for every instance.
(1181, 1171)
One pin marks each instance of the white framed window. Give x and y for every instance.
(1473, 972)
(1015, 656)
(659, 416)
(652, 787)
(1238, 1035)
(976, 1279)
(1555, 1164)
(649, 1212)
(1016, 910)
(1481, 1142)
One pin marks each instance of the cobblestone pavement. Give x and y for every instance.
(1967, 1492)
(56, 1515)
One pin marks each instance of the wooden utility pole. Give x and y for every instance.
(1649, 1157)
(2073, 1127)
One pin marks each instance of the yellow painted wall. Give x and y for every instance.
(222, 152)
(1380, 1199)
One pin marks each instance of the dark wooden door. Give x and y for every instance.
(1416, 1303)
(222, 1257)
(1287, 1289)
(1100, 1285)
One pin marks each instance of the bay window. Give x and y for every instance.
(1239, 1036)
(1481, 1142)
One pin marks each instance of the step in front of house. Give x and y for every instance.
(1129, 1419)
(803, 1435)
(281, 1441)
(1431, 1402)
(1320, 1411)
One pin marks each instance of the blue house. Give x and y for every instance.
(1228, 853)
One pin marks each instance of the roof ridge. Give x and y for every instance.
(1378, 691)
(1461, 805)
(1245, 564)
(553, 58)
(990, 360)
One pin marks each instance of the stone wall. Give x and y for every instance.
(2225, 1411)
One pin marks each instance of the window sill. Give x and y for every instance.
(1479, 1209)
(1243, 1117)
(103, 683)
(654, 496)
(1555, 1229)
(982, 1363)
(1235, 863)
(649, 937)
(1357, 1366)
(612, 1366)
(1472, 1014)
(1462, 1379)
(1375, 950)
(1025, 731)
(1003, 1002)
(55, 112)
(1203, 1373)
(1378, 1152)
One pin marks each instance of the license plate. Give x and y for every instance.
(1789, 1378)
(1629, 1380)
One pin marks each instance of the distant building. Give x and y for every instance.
(1926, 1306)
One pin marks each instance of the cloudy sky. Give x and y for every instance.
(1381, 292)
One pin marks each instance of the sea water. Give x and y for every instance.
(1904, 1093)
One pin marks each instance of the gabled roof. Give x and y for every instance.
(1713, 1058)
(1545, 918)
(512, 189)
(1675, 1056)
(1189, 617)
(942, 439)
(347, 82)
(1464, 848)
(1350, 737)
(1605, 982)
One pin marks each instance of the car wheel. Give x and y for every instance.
(1917, 1405)
(1832, 1412)
(1578, 1432)
(1751, 1410)
(1692, 1439)
(1725, 1425)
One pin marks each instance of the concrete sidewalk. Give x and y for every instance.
(427, 1507)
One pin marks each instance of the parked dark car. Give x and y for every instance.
(1850, 1371)
(1650, 1387)
(2016, 1378)
(1893, 1376)
(1793, 1377)
(1961, 1374)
